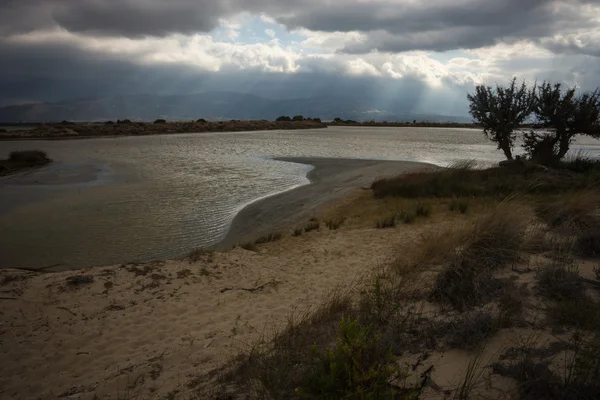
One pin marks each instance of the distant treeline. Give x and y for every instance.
(349, 122)
(414, 123)
(296, 118)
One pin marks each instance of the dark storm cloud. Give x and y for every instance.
(59, 72)
(54, 70)
(390, 25)
(111, 17)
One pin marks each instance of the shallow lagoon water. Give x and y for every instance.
(110, 200)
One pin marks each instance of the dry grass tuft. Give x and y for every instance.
(559, 282)
(386, 222)
(276, 366)
(199, 254)
(494, 241)
(535, 369)
(470, 329)
(250, 246)
(77, 281)
(271, 237)
(573, 213)
(335, 223)
(312, 225)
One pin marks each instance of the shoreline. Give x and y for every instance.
(331, 179)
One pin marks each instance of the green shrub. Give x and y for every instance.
(297, 232)
(358, 367)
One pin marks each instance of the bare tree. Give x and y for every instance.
(501, 110)
(563, 115)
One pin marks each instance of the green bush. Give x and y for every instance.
(358, 367)
(297, 232)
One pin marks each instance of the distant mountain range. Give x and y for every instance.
(213, 106)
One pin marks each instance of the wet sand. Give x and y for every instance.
(331, 179)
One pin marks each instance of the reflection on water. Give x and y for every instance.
(135, 198)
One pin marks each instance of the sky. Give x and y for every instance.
(430, 52)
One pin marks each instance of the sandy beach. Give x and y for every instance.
(174, 329)
(150, 329)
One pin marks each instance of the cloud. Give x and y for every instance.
(386, 25)
(440, 46)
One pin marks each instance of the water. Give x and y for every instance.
(111, 200)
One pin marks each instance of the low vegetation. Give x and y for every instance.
(494, 242)
(23, 160)
(250, 246)
(369, 341)
(312, 225)
(461, 206)
(386, 222)
(271, 237)
(335, 223)
(462, 180)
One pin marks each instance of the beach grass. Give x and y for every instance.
(461, 270)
